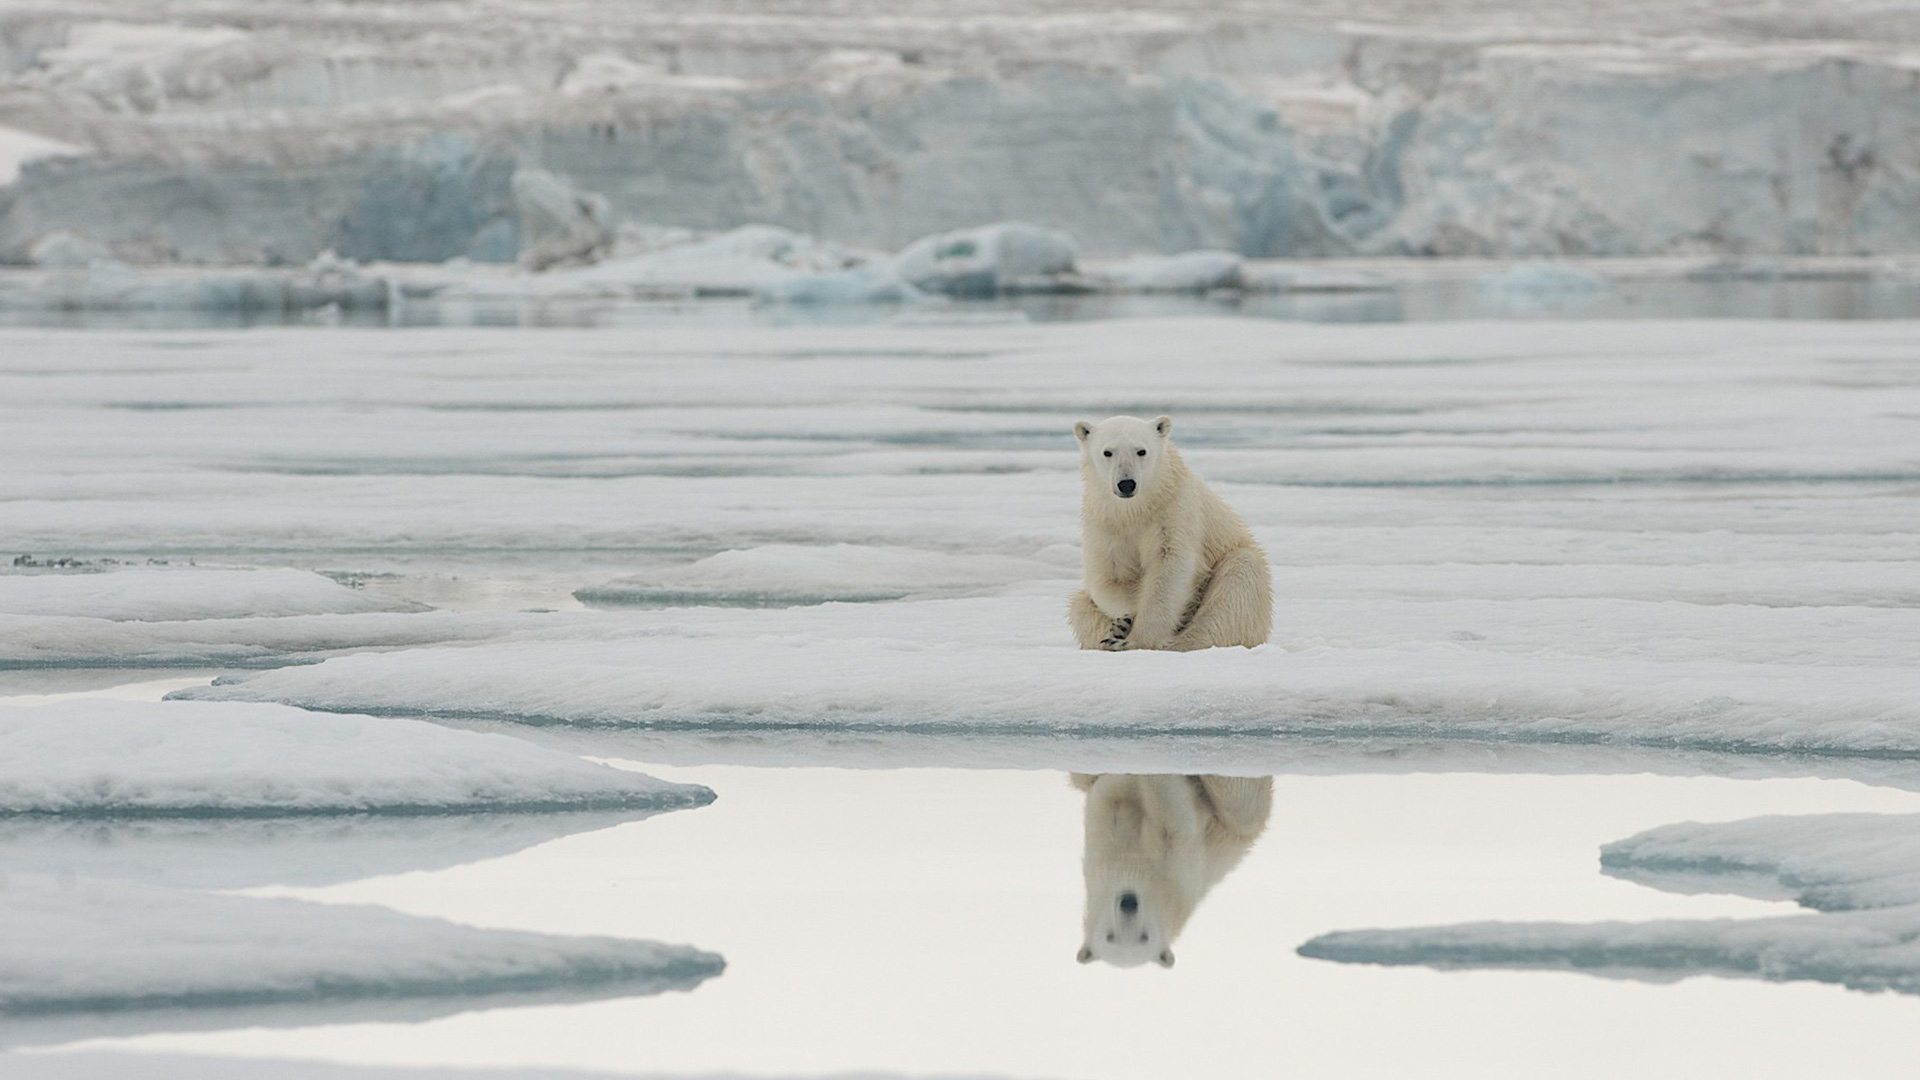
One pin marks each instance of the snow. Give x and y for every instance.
(114, 758)
(1680, 535)
(778, 574)
(96, 946)
(738, 262)
(1191, 271)
(19, 148)
(179, 593)
(1860, 871)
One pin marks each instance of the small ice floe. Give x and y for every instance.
(100, 758)
(860, 285)
(1860, 872)
(1541, 280)
(781, 575)
(85, 946)
(1187, 272)
(991, 260)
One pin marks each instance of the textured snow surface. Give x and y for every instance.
(1693, 534)
(97, 757)
(152, 594)
(83, 945)
(1859, 870)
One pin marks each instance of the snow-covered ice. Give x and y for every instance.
(1656, 534)
(90, 946)
(1861, 872)
(117, 758)
(173, 594)
(785, 574)
(227, 852)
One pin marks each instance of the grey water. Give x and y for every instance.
(1665, 298)
(924, 920)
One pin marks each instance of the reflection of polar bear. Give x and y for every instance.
(1155, 845)
(1168, 565)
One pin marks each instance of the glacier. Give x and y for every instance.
(1277, 127)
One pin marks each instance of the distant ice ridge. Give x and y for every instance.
(1861, 871)
(1278, 128)
(94, 946)
(104, 758)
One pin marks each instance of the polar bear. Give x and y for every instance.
(1167, 564)
(1155, 846)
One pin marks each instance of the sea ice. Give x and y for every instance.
(90, 946)
(172, 594)
(783, 574)
(151, 759)
(1859, 870)
(104, 1066)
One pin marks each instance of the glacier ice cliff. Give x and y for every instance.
(1276, 127)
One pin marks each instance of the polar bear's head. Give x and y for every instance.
(1123, 456)
(1128, 926)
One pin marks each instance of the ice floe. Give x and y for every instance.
(785, 574)
(174, 594)
(93, 946)
(1858, 870)
(147, 759)
(1001, 665)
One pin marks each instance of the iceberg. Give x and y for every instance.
(84, 946)
(1190, 271)
(101, 758)
(1010, 257)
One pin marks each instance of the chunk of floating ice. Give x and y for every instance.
(989, 260)
(115, 758)
(1541, 279)
(1862, 870)
(861, 285)
(89, 946)
(154, 594)
(789, 574)
(1005, 665)
(1189, 271)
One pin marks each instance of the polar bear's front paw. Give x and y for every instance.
(1117, 632)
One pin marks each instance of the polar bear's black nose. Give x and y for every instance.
(1126, 488)
(1129, 903)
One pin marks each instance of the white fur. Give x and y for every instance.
(1169, 566)
(1163, 842)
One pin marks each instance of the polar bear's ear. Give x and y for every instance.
(1166, 957)
(1086, 955)
(1162, 425)
(1081, 430)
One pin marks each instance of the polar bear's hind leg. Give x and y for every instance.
(1237, 608)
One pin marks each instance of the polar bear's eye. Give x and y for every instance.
(1109, 453)
(1142, 453)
